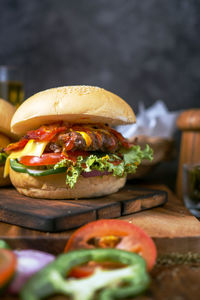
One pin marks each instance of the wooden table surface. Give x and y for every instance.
(173, 229)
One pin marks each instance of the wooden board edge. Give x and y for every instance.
(120, 208)
(52, 225)
(145, 202)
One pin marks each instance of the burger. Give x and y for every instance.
(68, 148)
(6, 112)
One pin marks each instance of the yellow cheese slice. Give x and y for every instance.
(32, 148)
(86, 137)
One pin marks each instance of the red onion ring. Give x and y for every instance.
(28, 263)
(94, 173)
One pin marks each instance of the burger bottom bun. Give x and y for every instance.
(54, 186)
(4, 181)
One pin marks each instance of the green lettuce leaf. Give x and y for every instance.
(135, 154)
(61, 164)
(73, 174)
(128, 160)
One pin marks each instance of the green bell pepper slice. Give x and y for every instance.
(131, 280)
(4, 245)
(17, 167)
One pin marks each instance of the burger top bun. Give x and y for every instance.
(6, 112)
(80, 104)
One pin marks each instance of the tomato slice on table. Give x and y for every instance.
(111, 234)
(8, 264)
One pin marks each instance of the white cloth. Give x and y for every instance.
(154, 121)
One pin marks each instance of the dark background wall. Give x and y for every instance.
(142, 50)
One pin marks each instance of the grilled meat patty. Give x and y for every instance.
(76, 137)
(90, 141)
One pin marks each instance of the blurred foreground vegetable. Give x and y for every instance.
(4, 245)
(8, 264)
(111, 233)
(130, 280)
(28, 263)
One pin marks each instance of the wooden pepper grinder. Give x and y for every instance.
(189, 123)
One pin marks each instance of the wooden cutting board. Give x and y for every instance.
(59, 215)
(171, 226)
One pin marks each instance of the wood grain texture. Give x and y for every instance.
(171, 226)
(189, 154)
(189, 123)
(189, 120)
(173, 220)
(59, 215)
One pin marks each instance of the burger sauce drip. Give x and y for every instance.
(97, 132)
(125, 143)
(99, 138)
(50, 133)
(71, 142)
(16, 146)
(72, 155)
(44, 133)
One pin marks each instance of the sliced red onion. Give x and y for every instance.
(28, 263)
(94, 173)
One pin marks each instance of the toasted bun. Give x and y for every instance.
(54, 186)
(4, 181)
(6, 112)
(80, 104)
(4, 140)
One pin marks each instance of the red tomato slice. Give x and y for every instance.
(112, 234)
(44, 159)
(51, 158)
(8, 264)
